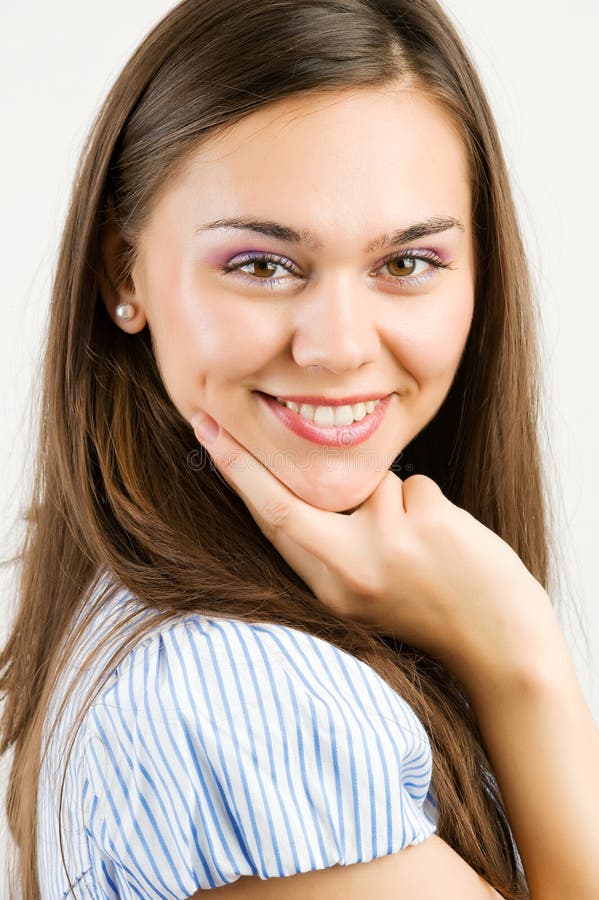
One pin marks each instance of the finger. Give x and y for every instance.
(419, 492)
(275, 508)
(386, 503)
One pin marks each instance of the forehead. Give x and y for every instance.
(337, 162)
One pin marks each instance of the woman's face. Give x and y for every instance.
(336, 315)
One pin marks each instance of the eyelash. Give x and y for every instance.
(410, 280)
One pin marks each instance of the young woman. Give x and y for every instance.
(312, 654)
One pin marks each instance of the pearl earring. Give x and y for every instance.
(125, 311)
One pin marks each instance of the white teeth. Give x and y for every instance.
(306, 411)
(327, 416)
(344, 415)
(324, 415)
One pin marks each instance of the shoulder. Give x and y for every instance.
(226, 748)
(215, 668)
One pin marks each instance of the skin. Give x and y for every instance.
(350, 324)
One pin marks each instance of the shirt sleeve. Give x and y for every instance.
(211, 755)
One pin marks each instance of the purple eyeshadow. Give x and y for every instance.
(221, 257)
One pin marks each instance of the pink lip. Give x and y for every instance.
(332, 436)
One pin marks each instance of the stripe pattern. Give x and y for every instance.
(221, 748)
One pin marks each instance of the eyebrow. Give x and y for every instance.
(290, 235)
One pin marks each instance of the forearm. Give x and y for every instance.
(544, 748)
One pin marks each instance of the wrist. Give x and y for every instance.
(526, 653)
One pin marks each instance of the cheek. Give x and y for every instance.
(430, 338)
(204, 344)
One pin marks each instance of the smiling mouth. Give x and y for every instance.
(343, 426)
(327, 415)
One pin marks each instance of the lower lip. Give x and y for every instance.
(332, 436)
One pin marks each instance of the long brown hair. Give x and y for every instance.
(171, 531)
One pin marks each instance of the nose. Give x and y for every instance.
(335, 329)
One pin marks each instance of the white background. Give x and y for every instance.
(538, 60)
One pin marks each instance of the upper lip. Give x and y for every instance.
(314, 400)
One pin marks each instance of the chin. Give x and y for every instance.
(329, 499)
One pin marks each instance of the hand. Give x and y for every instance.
(407, 562)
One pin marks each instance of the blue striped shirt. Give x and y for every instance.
(220, 748)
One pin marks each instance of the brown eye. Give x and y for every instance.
(403, 266)
(263, 267)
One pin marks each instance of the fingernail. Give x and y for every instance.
(205, 427)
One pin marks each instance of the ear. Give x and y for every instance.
(114, 287)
